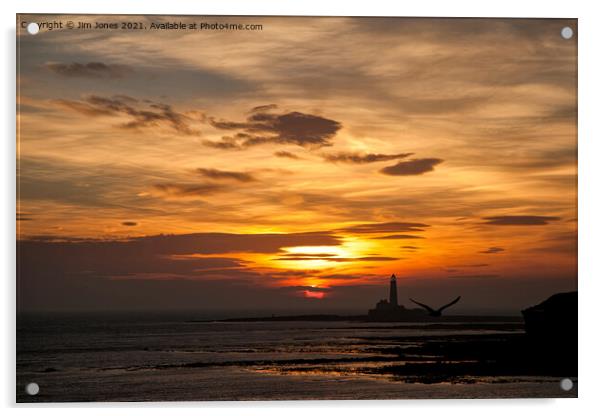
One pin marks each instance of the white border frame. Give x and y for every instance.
(590, 201)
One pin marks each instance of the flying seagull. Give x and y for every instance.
(436, 312)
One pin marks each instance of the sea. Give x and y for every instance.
(177, 357)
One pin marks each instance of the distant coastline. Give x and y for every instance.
(365, 318)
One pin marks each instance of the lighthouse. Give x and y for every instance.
(393, 291)
(390, 310)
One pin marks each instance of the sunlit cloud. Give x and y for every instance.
(298, 174)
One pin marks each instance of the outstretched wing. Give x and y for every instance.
(453, 302)
(427, 307)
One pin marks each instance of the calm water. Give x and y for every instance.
(166, 359)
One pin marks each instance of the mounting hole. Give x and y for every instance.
(566, 32)
(32, 389)
(566, 384)
(33, 28)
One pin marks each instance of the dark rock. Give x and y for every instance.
(551, 328)
(555, 319)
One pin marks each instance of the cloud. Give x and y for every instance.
(376, 258)
(329, 257)
(176, 244)
(359, 158)
(23, 217)
(263, 126)
(180, 190)
(224, 174)
(263, 108)
(129, 223)
(343, 276)
(127, 258)
(63, 273)
(398, 237)
(226, 143)
(470, 265)
(152, 115)
(88, 70)
(308, 288)
(519, 220)
(474, 276)
(412, 167)
(298, 255)
(492, 250)
(83, 191)
(385, 227)
(287, 155)
(558, 242)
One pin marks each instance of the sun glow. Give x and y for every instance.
(318, 250)
(312, 257)
(313, 295)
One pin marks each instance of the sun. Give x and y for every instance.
(313, 295)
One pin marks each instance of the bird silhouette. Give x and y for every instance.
(436, 312)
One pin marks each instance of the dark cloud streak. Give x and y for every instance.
(287, 155)
(88, 70)
(359, 158)
(398, 237)
(519, 220)
(224, 174)
(412, 167)
(263, 126)
(385, 227)
(492, 250)
(23, 217)
(121, 105)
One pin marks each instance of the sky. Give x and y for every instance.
(296, 167)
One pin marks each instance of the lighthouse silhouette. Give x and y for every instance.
(389, 310)
(393, 291)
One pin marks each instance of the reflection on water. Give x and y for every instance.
(157, 359)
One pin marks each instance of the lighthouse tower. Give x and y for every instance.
(390, 310)
(393, 291)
